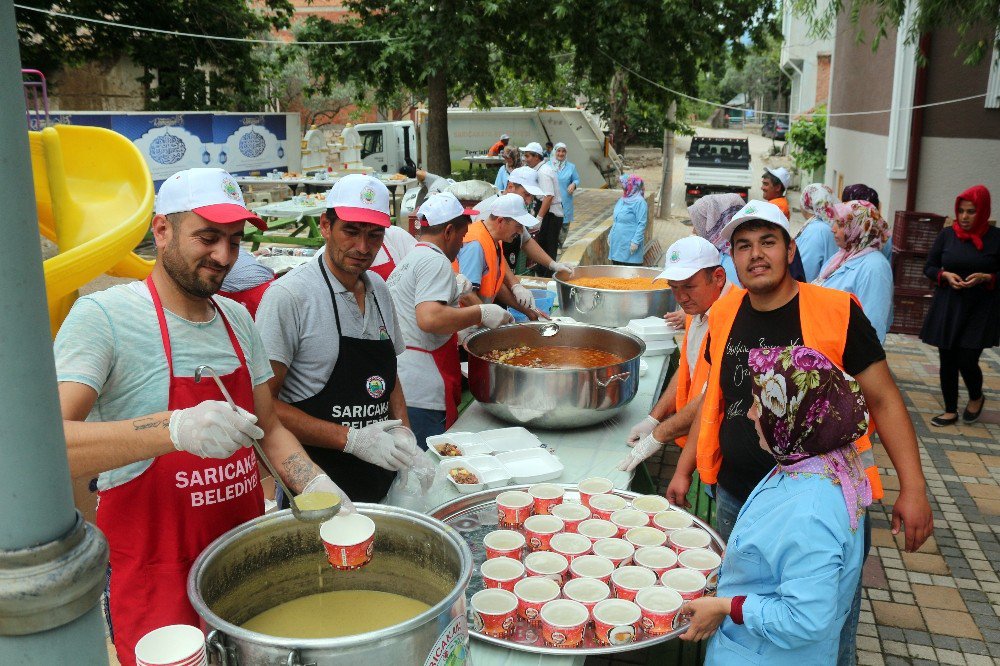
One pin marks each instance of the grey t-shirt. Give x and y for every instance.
(424, 275)
(297, 325)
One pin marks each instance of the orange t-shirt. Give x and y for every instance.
(782, 203)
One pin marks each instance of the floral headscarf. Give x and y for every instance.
(558, 164)
(710, 214)
(860, 192)
(978, 196)
(632, 186)
(811, 413)
(864, 231)
(511, 158)
(815, 201)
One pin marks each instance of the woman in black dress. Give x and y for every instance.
(964, 318)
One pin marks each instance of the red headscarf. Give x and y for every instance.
(979, 196)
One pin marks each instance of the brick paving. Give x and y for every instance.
(940, 605)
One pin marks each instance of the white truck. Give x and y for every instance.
(717, 165)
(390, 145)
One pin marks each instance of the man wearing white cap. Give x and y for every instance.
(426, 298)
(774, 310)
(497, 148)
(333, 337)
(174, 463)
(695, 274)
(773, 184)
(550, 212)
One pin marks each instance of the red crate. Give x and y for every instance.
(910, 308)
(915, 232)
(908, 270)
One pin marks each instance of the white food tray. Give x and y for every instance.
(651, 329)
(511, 467)
(660, 348)
(485, 442)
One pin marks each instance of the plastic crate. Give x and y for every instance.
(908, 270)
(910, 308)
(915, 232)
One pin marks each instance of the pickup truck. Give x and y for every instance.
(717, 165)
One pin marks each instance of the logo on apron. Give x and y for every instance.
(375, 386)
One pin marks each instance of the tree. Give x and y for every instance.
(180, 73)
(807, 135)
(976, 21)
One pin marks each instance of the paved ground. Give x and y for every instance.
(940, 605)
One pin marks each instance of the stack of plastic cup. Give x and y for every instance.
(173, 645)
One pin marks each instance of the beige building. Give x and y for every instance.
(917, 159)
(806, 61)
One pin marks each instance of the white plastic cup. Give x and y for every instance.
(501, 572)
(592, 566)
(627, 581)
(656, 558)
(572, 514)
(690, 584)
(619, 551)
(705, 561)
(570, 545)
(172, 644)
(604, 505)
(596, 529)
(595, 485)
(626, 519)
(691, 537)
(641, 537)
(651, 504)
(587, 591)
(548, 564)
(671, 520)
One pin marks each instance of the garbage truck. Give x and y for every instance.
(388, 146)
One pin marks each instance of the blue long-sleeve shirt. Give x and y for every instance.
(629, 228)
(502, 177)
(793, 555)
(870, 279)
(816, 245)
(566, 176)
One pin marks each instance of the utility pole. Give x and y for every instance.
(663, 209)
(52, 563)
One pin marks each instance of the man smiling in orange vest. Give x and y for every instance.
(775, 310)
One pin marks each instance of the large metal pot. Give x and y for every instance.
(554, 398)
(276, 558)
(612, 307)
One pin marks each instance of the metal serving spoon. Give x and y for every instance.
(320, 514)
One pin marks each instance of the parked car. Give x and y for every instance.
(775, 127)
(716, 165)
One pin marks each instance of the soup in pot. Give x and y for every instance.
(620, 284)
(333, 614)
(553, 357)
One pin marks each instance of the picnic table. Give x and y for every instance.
(300, 216)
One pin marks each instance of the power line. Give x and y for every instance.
(138, 28)
(776, 113)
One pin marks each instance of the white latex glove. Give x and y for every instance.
(645, 448)
(212, 429)
(559, 267)
(523, 296)
(641, 429)
(493, 315)
(464, 285)
(632, 247)
(374, 445)
(322, 483)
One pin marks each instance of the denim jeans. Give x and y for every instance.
(425, 423)
(848, 654)
(727, 507)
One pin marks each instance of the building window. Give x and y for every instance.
(371, 142)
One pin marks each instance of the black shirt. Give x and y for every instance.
(744, 463)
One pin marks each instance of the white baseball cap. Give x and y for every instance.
(756, 210)
(511, 205)
(504, 136)
(360, 198)
(441, 208)
(534, 147)
(527, 178)
(211, 193)
(688, 256)
(782, 174)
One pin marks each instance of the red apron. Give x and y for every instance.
(159, 522)
(249, 298)
(449, 367)
(388, 267)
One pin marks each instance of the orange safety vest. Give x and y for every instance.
(782, 204)
(496, 267)
(690, 385)
(824, 315)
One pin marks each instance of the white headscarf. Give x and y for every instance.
(557, 164)
(711, 213)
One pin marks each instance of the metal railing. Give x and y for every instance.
(36, 99)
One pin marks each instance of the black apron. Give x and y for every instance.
(355, 395)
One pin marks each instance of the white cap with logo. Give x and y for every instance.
(534, 147)
(504, 136)
(688, 256)
(527, 178)
(441, 208)
(211, 193)
(756, 210)
(511, 206)
(360, 198)
(782, 174)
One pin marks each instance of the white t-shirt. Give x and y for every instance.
(425, 275)
(111, 342)
(549, 182)
(297, 325)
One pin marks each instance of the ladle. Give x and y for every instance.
(317, 515)
(548, 330)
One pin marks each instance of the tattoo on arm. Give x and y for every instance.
(150, 423)
(299, 471)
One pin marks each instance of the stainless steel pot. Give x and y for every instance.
(612, 307)
(276, 558)
(554, 398)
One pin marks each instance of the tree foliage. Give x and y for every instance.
(807, 136)
(180, 73)
(976, 21)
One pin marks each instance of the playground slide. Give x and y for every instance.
(94, 196)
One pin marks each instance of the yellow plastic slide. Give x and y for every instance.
(94, 196)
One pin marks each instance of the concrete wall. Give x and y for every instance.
(859, 157)
(801, 51)
(97, 86)
(949, 166)
(862, 80)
